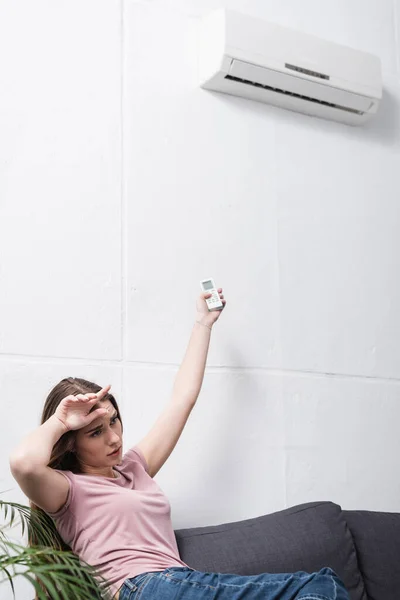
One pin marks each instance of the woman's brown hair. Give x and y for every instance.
(63, 456)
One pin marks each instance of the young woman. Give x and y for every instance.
(106, 505)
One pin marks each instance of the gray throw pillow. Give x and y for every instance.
(377, 538)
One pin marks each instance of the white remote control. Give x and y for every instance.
(213, 303)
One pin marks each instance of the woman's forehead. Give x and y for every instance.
(103, 404)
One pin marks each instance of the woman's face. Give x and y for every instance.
(95, 443)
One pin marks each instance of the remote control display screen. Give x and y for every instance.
(207, 285)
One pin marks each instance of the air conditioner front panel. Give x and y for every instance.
(368, 86)
(273, 45)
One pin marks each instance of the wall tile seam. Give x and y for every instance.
(123, 211)
(396, 37)
(88, 362)
(123, 204)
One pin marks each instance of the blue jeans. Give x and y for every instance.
(183, 583)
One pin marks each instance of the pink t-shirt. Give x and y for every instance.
(120, 526)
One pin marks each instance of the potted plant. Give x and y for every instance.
(55, 573)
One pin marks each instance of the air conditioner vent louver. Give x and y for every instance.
(287, 93)
(307, 72)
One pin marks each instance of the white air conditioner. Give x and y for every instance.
(249, 57)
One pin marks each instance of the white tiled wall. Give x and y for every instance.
(122, 184)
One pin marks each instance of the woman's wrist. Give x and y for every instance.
(202, 321)
(58, 424)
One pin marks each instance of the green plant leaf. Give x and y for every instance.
(61, 573)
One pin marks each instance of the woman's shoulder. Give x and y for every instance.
(134, 454)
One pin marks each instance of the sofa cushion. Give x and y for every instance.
(377, 539)
(306, 537)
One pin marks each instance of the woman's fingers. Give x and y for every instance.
(99, 412)
(81, 397)
(92, 395)
(104, 391)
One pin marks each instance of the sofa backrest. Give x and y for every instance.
(306, 537)
(377, 539)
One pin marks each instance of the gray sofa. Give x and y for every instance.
(362, 547)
